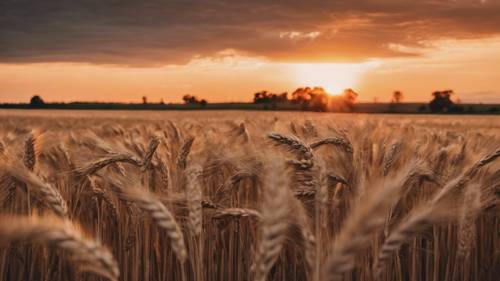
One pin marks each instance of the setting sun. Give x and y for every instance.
(333, 77)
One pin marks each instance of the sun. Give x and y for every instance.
(333, 77)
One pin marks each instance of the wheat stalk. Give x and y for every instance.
(160, 214)
(466, 227)
(458, 184)
(99, 164)
(193, 196)
(88, 254)
(275, 212)
(366, 218)
(49, 195)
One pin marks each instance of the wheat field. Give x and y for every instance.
(228, 195)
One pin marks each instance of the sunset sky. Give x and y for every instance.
(226, 50)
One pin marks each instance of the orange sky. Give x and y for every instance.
(222, 54)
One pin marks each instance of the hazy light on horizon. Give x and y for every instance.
(470, 67)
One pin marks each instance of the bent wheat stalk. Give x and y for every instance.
(459, 183)
(99, 164)
(364, 220)
(160, 214)
(88, 254)
(342, 143)
(49, 195)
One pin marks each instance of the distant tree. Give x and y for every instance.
(442, 101)
(397, 97)
(144, 100)
(350, 95)
(193, 100)
(36, 101)
(268, 97)
(308, 98)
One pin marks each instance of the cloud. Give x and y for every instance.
(299, 35)
(166, 32)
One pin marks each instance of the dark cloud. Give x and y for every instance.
(158, 32)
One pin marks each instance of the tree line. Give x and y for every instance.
(310, 99)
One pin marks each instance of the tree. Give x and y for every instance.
(36, 101)
(442, 101)
(397, 97)
(350, 95)
(268, 97)
(144, 100)
(193, 100)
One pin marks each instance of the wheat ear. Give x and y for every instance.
(49, 195)
(99, 164)
(148, 156)
(364, 220)
(194, 196)
(184, 153)
(417, 220)
(237, 213)
(458, 184)
(275, 212)
(466, 227)
(293, 144)
(160, 214)
(342, 143)
(89, 254)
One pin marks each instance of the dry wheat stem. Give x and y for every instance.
(48, 195)
(365, 219)
(97, 165)
(458, 184)
(88, 254)
(160, 214)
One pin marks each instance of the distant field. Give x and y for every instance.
(402, 108)
(248, 195)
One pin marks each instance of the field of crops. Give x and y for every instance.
(228, 195)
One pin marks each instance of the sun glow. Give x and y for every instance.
(333, 77)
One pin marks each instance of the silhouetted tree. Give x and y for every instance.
(267, 97)
(144, 100)
(397, 97)
(442, 101)
(308, 98)
(193, 100)
(36, 101)
(350, 97)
